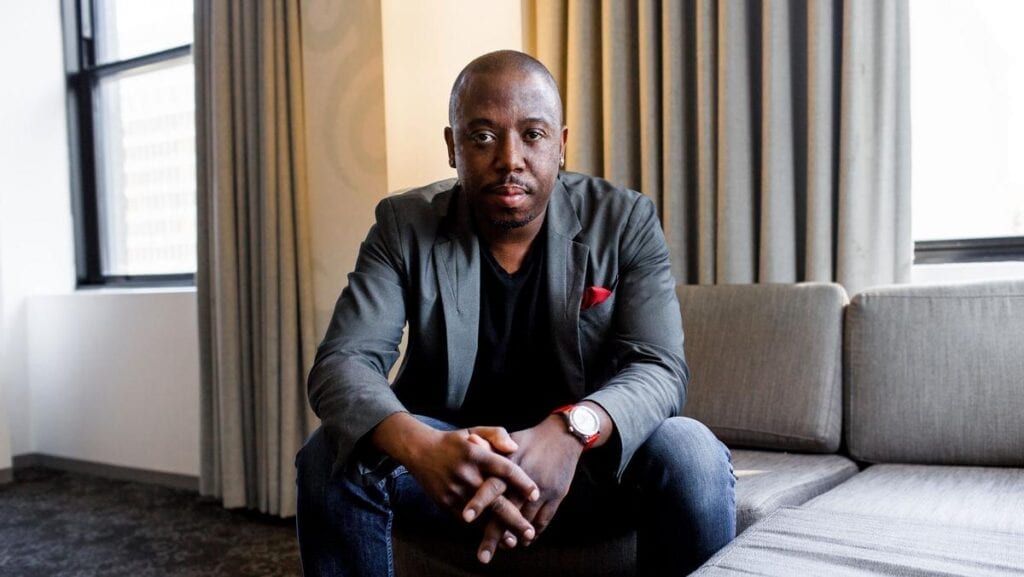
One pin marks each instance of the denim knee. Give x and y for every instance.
(688, 451)
(689, 434)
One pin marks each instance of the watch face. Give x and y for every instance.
(584, 420)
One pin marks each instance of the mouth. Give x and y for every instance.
(508, 190)
(509, 194)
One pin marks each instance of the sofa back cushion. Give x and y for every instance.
(765, 363)
(935, 374)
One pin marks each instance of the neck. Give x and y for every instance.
(510, 246)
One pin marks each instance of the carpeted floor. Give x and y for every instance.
(56, 523)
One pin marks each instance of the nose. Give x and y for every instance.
(510, 154)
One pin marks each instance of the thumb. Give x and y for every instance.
(478, 440)
(497, 437)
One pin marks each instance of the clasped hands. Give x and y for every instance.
(510, 483)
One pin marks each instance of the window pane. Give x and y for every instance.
(130, 28)
(967, 77)
(148, 186)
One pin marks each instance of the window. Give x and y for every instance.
(132, 123)
(967, 107)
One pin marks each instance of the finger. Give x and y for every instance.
(530, 510)
(497, 466)
(511, 519)
(508, 540)
(497, 437)
(453, 498)
(545, 515)
(489, 490)
(478, 440)
(489, 543)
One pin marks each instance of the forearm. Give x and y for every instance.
(401, 436)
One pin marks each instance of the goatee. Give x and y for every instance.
(507, 224)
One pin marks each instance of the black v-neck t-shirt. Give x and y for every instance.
(515, 381)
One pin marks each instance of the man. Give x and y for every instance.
(538, 302)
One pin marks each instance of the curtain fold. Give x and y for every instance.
(773, 135)
(254, 274)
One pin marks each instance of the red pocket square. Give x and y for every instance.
(593, 296)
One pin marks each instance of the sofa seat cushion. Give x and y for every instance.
(766, 481)
(976, 497)
(816, 542)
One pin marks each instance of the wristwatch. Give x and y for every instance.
(583, 423)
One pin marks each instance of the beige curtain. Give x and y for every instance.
(773, 134)
(254, 277)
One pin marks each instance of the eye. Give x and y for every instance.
(481, 137)
(534, 135)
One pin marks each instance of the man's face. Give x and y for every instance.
(507, 142)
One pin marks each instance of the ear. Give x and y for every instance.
(449, 140)
(561, 150)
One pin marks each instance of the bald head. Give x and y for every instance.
(501, 62)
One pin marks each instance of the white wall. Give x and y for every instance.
(35, 214)
(426, 44)
(115, 378)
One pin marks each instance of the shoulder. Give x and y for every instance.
(603, 206)
(592, 190)
(419, 213)
(430, 202)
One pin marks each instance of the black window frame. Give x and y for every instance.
(961, 250)
(83, 76)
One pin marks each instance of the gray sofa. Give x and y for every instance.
(872, 437)
(934, 412)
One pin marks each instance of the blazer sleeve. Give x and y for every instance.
(348, 387)
(649, 383)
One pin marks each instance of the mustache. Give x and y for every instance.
(510, 180)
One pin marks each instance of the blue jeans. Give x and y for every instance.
(678, 491)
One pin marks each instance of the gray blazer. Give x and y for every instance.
(420, 264)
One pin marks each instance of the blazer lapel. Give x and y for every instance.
(566, 270)
(457, 265)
